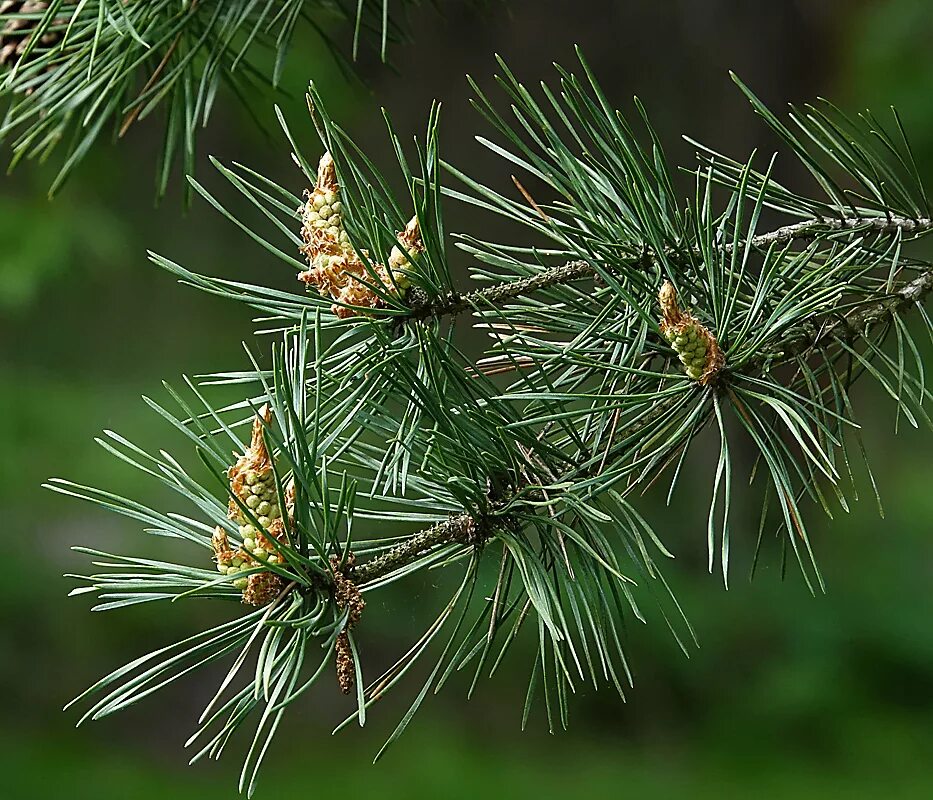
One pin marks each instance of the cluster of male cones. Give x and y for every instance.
(335, 268)
(254, 507)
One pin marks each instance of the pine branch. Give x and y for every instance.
(70, 69)
(854, 323)
(459, 529)
(369, 423)
(501, 293)
(808, 229)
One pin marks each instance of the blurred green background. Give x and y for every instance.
(788, 695)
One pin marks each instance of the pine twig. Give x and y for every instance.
(502, 292)
(459, 528)
(579, 270)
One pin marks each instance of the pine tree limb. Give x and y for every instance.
(507, 290)
(459, 529)
(810, 228)
(579, 270)
(853, 323)
(595, 408)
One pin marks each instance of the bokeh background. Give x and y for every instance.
(789, 695)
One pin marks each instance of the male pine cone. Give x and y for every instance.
(253, 486)
(335, 268)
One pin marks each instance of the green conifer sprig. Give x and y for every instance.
(514, 475)
(77, 71)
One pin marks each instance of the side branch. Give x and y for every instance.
(495, 295)
(458, 529)
(578, 270)
(855, 322)
(809, 228)
(462, 528)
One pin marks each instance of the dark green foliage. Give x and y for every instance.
(96, 67)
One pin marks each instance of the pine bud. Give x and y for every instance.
(696, 347)
(410, 246)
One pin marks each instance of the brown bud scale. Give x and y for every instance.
(348, 598)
